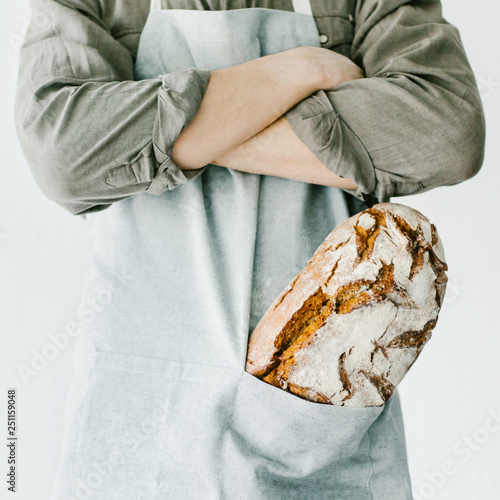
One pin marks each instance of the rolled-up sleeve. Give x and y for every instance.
(92, 135)
(415, 122)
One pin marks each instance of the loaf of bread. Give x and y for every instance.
(346, 330)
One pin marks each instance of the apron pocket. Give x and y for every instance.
(146, 428)
(281, 446)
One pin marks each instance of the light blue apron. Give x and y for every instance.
(160, 406)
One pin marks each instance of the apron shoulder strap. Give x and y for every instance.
(302, 7)
(299, 6)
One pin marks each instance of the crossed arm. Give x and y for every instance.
(93, 135)
(279, 152)
(241, 123)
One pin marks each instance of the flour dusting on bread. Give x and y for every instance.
(346, 330)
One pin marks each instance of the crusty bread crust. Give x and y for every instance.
(346, 330)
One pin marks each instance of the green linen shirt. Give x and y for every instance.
(92, 135)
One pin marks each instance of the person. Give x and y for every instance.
(211, 156)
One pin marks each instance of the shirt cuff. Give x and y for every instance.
(320, 127)
(179, 100)
(169, 174)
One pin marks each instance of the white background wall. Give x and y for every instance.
(450, 397)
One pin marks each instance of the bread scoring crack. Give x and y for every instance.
(360, 293)
(339, 245)
(439, 269)
(365, 238)
(417, 246)
(434, 235)
(292, 284)
(383, 386)
(334, 269)
(297, 334)
(413, 338)
(344, 378)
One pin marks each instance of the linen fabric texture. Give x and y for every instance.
(416, 122)
(160, 406)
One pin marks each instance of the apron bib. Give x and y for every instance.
(160, 406)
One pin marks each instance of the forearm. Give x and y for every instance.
(91, 134)
(416, 121)
(277, 151)
(242, 100)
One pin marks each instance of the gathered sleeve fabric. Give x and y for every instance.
(91, 134)
(415, 122)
